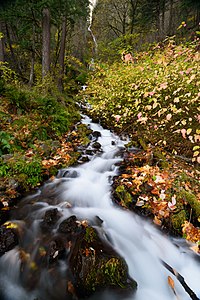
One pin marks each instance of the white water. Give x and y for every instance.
(139, 242)
(92, 6)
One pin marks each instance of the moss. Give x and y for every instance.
(124, 196)
(160, 159)
(142, 144)
(192, 201)
(177, 221)
(90, 234)
(110, 272)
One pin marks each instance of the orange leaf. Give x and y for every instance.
(171, 282)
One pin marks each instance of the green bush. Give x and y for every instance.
(5, 146)
(19, 99)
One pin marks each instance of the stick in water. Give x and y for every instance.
(181, 279)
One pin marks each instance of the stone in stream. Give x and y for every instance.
(96, 145)
(95, 266)
(95, 135)
(8, 239)
(91, 264)
(50, 218)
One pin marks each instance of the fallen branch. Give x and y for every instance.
(181, 279)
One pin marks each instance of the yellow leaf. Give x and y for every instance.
(157, 221)
(184, 122)
(10, 225)
(189, 130)
(195, 148)
(33, 266)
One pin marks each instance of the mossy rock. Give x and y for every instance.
(160, 159)
(177, 221)
(96, 266)
(194, 204)
(124, 196)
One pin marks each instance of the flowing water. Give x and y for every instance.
(93, 4)
(85, 191)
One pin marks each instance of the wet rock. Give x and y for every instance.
(77, 263)
(95, 266)
(89, 152)
(8, 239)
(95, 135)
(70, 227)
(50, 218)
(96, 145)
(70, 174)
(4, 215)
(84, 159)
(56, 250)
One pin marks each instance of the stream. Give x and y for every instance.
(85, 191)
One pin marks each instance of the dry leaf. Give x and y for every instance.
(171, 282)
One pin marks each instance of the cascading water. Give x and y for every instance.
(84, 191)
(92, 6)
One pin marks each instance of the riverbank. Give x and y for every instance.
(39, 134)
(156, 102)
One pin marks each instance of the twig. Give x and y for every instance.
(181, 279)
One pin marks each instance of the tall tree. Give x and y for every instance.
(46, 37)
(2, 51)
(61, 59)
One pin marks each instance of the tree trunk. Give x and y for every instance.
(2, 53)
(158, 25)
(163, 19)
(14, 59)
(45, 42)
(31, 78)
(61, 59)
(170, 30)
(134, 5)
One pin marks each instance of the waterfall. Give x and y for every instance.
(92, 5)
(85, 191)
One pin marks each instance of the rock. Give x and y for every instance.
(95, 266)
(83, 159)
(8, 239)
(4, 215)
(96, 145)
(69, 227)
(70, 174)
(13, 184)
(50, 218)
(6, 157)
(89, 264)
(95, 135)
(89, 152)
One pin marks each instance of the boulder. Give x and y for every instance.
(8, 239)
(95, 266)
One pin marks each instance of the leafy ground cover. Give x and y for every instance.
(156, 101)
(37, 137)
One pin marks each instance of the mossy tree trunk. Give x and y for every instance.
(45, 41)
(2, 55)
(61, 58)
